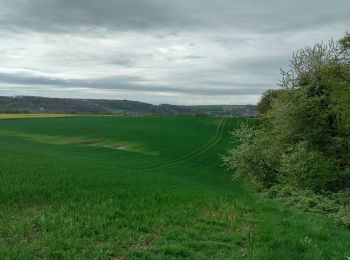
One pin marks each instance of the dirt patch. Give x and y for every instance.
(88, 142)
(122, 148)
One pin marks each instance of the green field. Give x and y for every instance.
(141, 187)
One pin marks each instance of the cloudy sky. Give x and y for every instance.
(158, 51)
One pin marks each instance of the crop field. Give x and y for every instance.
(141, 188)
(9, 116)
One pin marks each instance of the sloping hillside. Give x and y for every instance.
(28, 104)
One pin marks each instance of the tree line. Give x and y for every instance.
(300, 150)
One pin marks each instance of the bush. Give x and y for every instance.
(301, 150)
(334, 206)
(256, 158)
(307, 169)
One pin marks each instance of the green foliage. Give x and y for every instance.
(307, 169)
(335, 206)
(344, 48)
(266, 100)
(256, 158)
(303, 140)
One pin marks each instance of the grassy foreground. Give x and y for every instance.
(141, 187)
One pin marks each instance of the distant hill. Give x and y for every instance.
(30, 104)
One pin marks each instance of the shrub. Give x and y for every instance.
(256, 158)
(307, 169)
(334, 206)
(301, 150)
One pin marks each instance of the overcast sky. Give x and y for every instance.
(158, 51)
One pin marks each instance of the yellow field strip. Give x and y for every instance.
(11, 116)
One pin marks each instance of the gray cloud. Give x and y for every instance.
(269, 15)
(127, 84)
(260, 65)
(191, 51)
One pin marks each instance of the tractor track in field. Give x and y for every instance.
(185, 158)
(212, 142)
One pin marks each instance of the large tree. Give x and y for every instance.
(305, 136)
